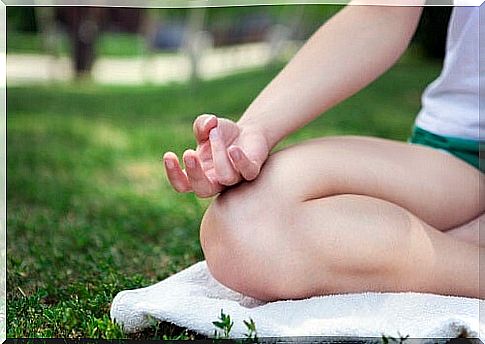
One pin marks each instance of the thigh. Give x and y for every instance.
(342, 215)
(438, 188)
(353, 243)
(472, 232)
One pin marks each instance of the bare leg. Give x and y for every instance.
(347, 215)
(470, 232)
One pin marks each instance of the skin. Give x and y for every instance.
(323, 73)
(334, 215)
(369, 215)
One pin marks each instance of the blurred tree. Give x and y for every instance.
(21, 19)
(83, 26)
(47, 27)
(196, 40)
(432, 31)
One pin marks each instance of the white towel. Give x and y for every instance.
(193, 299)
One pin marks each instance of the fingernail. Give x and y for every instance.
(190, 162)
(169, 164)
(207, 120)
(214, 134)
(236, 154)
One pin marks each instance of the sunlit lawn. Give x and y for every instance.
(112, 45)
(90, 212)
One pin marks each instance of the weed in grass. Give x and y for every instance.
(223, 324)
(252, 333)
(389, 339)
(160, 330)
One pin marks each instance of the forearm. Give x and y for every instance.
(347, 53)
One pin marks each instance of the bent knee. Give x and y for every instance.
(261, 251)
(273, 254)
(244, 242)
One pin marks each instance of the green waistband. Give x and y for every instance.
(467, 150)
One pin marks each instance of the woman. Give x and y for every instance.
(345, 214)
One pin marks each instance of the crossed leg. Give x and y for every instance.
(348, 214)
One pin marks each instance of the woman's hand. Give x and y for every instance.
(226, 154)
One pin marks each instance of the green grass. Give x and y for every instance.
(90, 212)
(108, 44)
(26, 43)
(111, 44)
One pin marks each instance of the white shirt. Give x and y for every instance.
(451, 103)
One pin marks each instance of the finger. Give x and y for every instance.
(248, 169)
(228, 130)
(201, 185)
(175, 175)
(226, 175)
(202, 126)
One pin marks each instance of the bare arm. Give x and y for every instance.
(347, 53)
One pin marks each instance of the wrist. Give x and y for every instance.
(255, 127)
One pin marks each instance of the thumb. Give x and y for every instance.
(228, 130)
(203, 124)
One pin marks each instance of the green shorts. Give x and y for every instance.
(470, 151)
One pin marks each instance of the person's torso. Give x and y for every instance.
(451, 103)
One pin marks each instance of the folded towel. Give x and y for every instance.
(193, 299)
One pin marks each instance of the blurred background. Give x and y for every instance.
(95, 96)
(141, 46)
